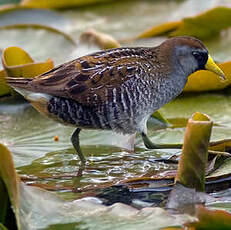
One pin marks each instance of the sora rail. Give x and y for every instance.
(116, 89)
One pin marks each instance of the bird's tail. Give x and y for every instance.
(23, 87)
(22, 83)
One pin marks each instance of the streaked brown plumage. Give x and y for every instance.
(116, 89)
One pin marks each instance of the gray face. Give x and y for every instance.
(191, 59)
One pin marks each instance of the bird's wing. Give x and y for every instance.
(88, 79)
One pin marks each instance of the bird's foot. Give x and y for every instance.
(150, 145)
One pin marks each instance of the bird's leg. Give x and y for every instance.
(75, 142)
(150, 145)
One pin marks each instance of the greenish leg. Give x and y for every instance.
(150, 145)
(75, 142)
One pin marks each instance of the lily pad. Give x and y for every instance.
(17, 63)
(22, 15)
(53, 44)
(203, 26)
(59, 4)
(37, 209)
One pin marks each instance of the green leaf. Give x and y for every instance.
(2, 227)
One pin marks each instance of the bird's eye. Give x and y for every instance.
(201, 58)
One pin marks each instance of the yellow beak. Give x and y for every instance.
(211, 66)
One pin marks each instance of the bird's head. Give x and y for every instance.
(190, 55)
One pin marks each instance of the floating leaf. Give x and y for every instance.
(53, 44)
(205, 25)
(58, 4)
(194, 157)
(222, 145)
(16, 14)
(159, 30)
(18, 63)
(205, 80)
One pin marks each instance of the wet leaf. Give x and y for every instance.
(224, 170)
(183, 199)
(194, 157)
(211, 219)
(206, 81)
(39, 208)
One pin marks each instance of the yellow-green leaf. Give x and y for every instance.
(4, 88)
(205, 25)
(59, 3)
(211, 219)
(17, 63)
(222, 145)
(205, 80)
(10, 178)
(160, 29)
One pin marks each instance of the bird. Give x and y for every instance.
(116, 89)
